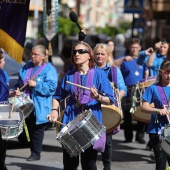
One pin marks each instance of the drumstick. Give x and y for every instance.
(83, 87)
(60, 123)
(12, 108)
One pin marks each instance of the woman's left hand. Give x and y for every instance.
(32, 83)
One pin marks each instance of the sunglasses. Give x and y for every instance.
(80, 51)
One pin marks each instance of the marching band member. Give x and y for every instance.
(154, 57)
(104, 61)
(84, 74)
(4, 94)
(40, 78)
(159, 94)
(132, 74)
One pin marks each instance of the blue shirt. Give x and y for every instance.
(102, 84)
(120, 81)
(151, 95)
(128, 69)
(143, 58)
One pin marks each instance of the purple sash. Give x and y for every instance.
(84, 98)
(162, 95)
(29, 77)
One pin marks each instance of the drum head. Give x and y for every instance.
(16, 115)
(112, 117)
(166, 133)
(141, 116)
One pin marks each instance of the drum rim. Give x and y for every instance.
(164, 136)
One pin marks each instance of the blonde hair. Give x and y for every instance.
(108, 51)
(43, 51)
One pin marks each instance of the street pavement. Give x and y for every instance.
(126, 156)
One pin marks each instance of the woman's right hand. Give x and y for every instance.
(53, 116)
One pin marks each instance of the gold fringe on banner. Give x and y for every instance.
(12, 47)
(50, 51)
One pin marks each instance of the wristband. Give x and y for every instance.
(157, 110)
(54, 109)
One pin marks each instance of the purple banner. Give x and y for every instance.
(13, 22)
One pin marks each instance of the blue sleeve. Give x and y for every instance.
(142, 58)
(120, 82)
(61, 92)
(157, 62)
(147, 95)
(4, 88)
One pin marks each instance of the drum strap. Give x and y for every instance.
(114, 74)
(162, 94)
(29, 72)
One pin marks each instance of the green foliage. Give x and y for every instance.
(66, 26)
(125, 25)
(112, 31)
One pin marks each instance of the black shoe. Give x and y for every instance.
(141, 141)
(127, 141)
(107, 168)
(149, 146)
(33, 158)
(152, 156)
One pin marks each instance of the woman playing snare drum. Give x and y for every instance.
(159, 94)
(86, 75)
(103, 59)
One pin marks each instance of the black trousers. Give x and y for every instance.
(3, 147)
(36, 133)
(107, 154)
(160, 158)
(88, 160)
(128, 128)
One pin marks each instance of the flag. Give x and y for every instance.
(13, 22)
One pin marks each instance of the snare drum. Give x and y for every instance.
(80, 133)
(112, 114)
(165, 141)
(137, 100)
(23, 103)
(10, 127)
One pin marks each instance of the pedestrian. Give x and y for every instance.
(159, 94)
(40, 78)
(104, 61)
(85, 75)
(132, 74)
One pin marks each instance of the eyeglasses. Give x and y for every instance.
(80, 51)
(34, 54)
